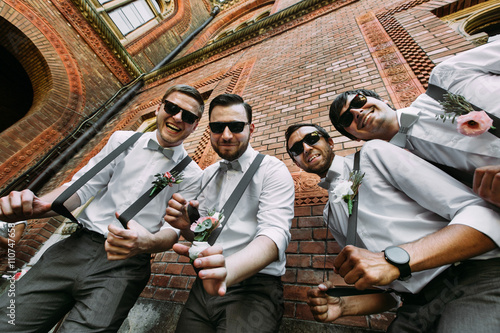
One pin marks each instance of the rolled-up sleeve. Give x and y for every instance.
(276, 205)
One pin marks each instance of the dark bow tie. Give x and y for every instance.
(407, 121)
(167, 152)
(233, 165)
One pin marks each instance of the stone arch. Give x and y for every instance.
(57, 86)
(486, 21)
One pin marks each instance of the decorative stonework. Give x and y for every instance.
(401, 82)
(307, 191)
(75, 90)
(262, 30)
(75, 18)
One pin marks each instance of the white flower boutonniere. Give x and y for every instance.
(347, 190)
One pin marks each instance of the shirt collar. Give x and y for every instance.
(246, 159)
(178, 150)
(334, 172)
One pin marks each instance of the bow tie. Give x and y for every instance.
(325, 182)
(167, 152)
(407, 121)
(233, 165)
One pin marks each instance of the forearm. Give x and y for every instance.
(161, 241)
(253, 258)
(71, 204)
(449, 245)
(366, 304)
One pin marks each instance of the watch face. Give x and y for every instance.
(397, 255)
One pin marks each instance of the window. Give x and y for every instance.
(131, 16)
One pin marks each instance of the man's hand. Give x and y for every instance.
(487, 183)
(125, 243)
(212, 267)
(323, 307)
(24, 205)
(364, 268)
(177, 215)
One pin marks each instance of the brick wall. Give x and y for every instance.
(291, 75)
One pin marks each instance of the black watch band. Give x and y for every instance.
(401, 259)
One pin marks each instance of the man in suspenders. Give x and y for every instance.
(254, 238)
(420, 233)
(96, 275)
(473, 74)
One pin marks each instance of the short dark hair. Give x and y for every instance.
(339, 102)
(186, 90)
(229, 100)
(292, 128)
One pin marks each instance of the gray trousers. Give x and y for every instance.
(254, 305)
(74, 277)
(464, 298)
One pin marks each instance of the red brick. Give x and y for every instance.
(294, 292)
(294, 260)
(178, 282)
(312, 247)
(160, 281)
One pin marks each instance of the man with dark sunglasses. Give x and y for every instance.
(419, 233)
(475, 74)
(254, 239)
(97, 274)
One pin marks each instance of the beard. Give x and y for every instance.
(230, 155)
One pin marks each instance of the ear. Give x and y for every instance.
(157, 109)
(251, 128)
(331, 143)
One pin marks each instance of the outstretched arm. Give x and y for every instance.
(218, 272)
(451, 244)
(24, 205)
(327, 309)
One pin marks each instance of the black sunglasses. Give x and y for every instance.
(186, 116)
(347, 117)
(310, 139)
(218, 127)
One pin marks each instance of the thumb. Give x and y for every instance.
(222, 289)
(194, 203)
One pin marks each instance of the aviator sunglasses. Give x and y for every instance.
(218, 127)
(310, 139)
(173, 109)
(347, 117)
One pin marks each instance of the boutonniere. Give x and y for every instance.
(469, 121)
(163, 180)
(202, 228)
(348, 189)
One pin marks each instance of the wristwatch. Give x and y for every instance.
(401, 259)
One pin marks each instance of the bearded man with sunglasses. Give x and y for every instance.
(248, 259)
(419, 233)
(474, 74)
(96, 275)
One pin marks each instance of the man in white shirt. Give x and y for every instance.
(447, 239)
(474, 74)
(254, 239)
(96, 275)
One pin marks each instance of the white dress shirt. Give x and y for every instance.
(266, 208)
(474, 74)
(126, 178)
(403, 198)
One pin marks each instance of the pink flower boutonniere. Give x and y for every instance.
(202, 229)
(469, 121)
(348, 189)
(162, 180)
